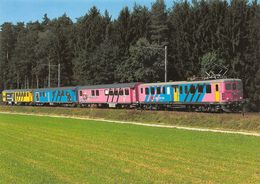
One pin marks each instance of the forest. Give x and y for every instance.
(96, 49)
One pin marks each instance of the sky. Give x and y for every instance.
(31, 10)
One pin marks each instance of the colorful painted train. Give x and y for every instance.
(207, 95)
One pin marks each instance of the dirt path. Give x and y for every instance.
(141, 124)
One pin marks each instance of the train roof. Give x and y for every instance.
(17, 90)
(190, 82)
(56, 88)
(118, 85)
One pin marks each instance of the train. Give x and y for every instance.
(214, 95)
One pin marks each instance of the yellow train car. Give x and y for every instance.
(23, 96)
(17, 96)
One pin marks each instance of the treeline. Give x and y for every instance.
(98, 50)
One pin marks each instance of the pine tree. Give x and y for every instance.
(159, 27)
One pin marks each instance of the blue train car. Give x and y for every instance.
(174, 92)
(63, 95)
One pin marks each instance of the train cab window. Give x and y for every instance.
(216, 87)
(80, 93)
(181, 90)
(192, 89)
(147, 91)
(97, 92)
(92, 92)
(239, 86)
(158, 90)
(121, 92)
(152, 91)
(208, 88)
(164, 91)
(200, 88)
(228, 86)
(186, 89)
(126, 91)
(234, 86)
(116, 92)
(141, 90)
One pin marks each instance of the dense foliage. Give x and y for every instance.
(96, 49)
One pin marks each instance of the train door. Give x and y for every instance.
(217, 94)
(37, 97)
(176, 94)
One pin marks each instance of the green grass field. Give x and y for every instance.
(249, 123)
(56, 150)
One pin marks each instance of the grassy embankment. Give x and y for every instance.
(249, 122)
(57, 150)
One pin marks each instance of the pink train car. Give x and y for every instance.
(112, 95)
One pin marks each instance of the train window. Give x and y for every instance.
(216, 87)
(228, 86)
(147, 91)
(92, 92)
(208, 88)
(116, 92)
(186, 89)
(200, 88)
(180, 89)
(163, 91)
(158, 90)
(192, 89)
(80, 93)
(234, 86)
(97, 92)
(126, 91)
(152, 91)
(62, 93)
(121, 92)
(141, 90)
(111, 92)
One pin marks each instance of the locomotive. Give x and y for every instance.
(213, 95)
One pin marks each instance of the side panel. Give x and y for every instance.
(149, 94)
(55, 96)
(23, 96)
(107, 95)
